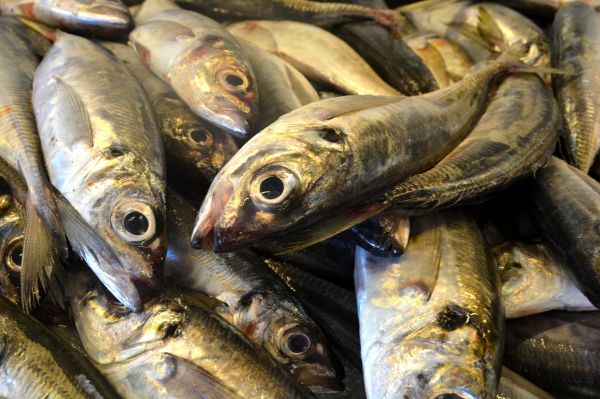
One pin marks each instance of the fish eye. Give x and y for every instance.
(332, 135)
(232, 79)
(296, 342)
(272, 187)
(200, 136)
(133, 221)
(13, 257)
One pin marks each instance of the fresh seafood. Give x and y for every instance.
(431, 322)
(103, 152)
(203, 64)
(431, 57)
(320, 55)
(513, 386)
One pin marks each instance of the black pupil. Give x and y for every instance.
(198, 136)
(298, 343)
(136, 223)
(16, 256)
(234, 80)
(115, 152)
(448, 396)
(272, 187)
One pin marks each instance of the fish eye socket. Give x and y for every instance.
(134, 222)
(233, 80)
(273, 187)
(14, 256)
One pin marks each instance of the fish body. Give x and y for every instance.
(513, 386)
(254, 300)
(98, 18)
(576, 50)
(320, 55)
(431, 322)
(37, 364)
(515, 137)
(201, 61)
(104, 153)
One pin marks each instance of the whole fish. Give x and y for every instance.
(98, 18)
(201, 61)
(515, 137)
(431, 57)
(193, 148)
(173, 349)
(37, 364)
(513, 386)
(253, 299)
(320, 55)
(431, 322)
(296, 10)
(535, 280)
(564, 205)
(322, 168)
(576, 50)
(283, 88)
(103, 152)
(558, 351)
(390, 56)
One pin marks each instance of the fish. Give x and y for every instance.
(103, 152)
(320, 55)
(321, 169)
(563, 202)
(389, 56)
(172, 348)
(36, 363)
(295, 10)
(11, 240)
(431, 57)
(283, 88)
(457, 61)
(513, 386)
(383, 235)
(431, 321)
(195, 151)
(558, 351)
(107, 19)
(201, 61)
(535, 280)
(252, 299)
(36, 41)
(514, 138)
(576, 50)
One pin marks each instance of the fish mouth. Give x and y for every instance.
(318, 383)
(203, 235)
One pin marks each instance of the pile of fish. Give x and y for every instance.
(295, 199)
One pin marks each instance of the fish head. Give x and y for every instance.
(273, 184)
(110, 332)
(11, 247)
(104, 18)
(219, 86)
(292, 338)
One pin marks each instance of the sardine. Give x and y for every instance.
(576, 50)
(37, 364)
(201, 61)
(173, 349)
(535, 280)
(557, 351)
(98, 18)
(282, 87)
(195, 151)
(35, 40)
(515, 137)
(320, 55)
(103, 152)
(431, 322)
(321, 169)
(254, 300)
(564, 205)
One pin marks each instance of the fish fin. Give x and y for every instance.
(401, 234)
(473, 34)
(40, 263)
(184, 379)
(73, 110)
(201, 300)
(328, 228)
(489, 30)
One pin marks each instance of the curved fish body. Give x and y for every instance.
(513, 386)
(99, 18)
(535, 280)
(295, 10)
(37, 364)
(565, 204)
(201, 61)
(193, 148)
(322, 168)
(104, 153)
(576, 50)
(282, 87)
(389, 56)
(320, 55)
(173, 349)
(515, 137)
(431, 321)
(557, 351)
(254, 300)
